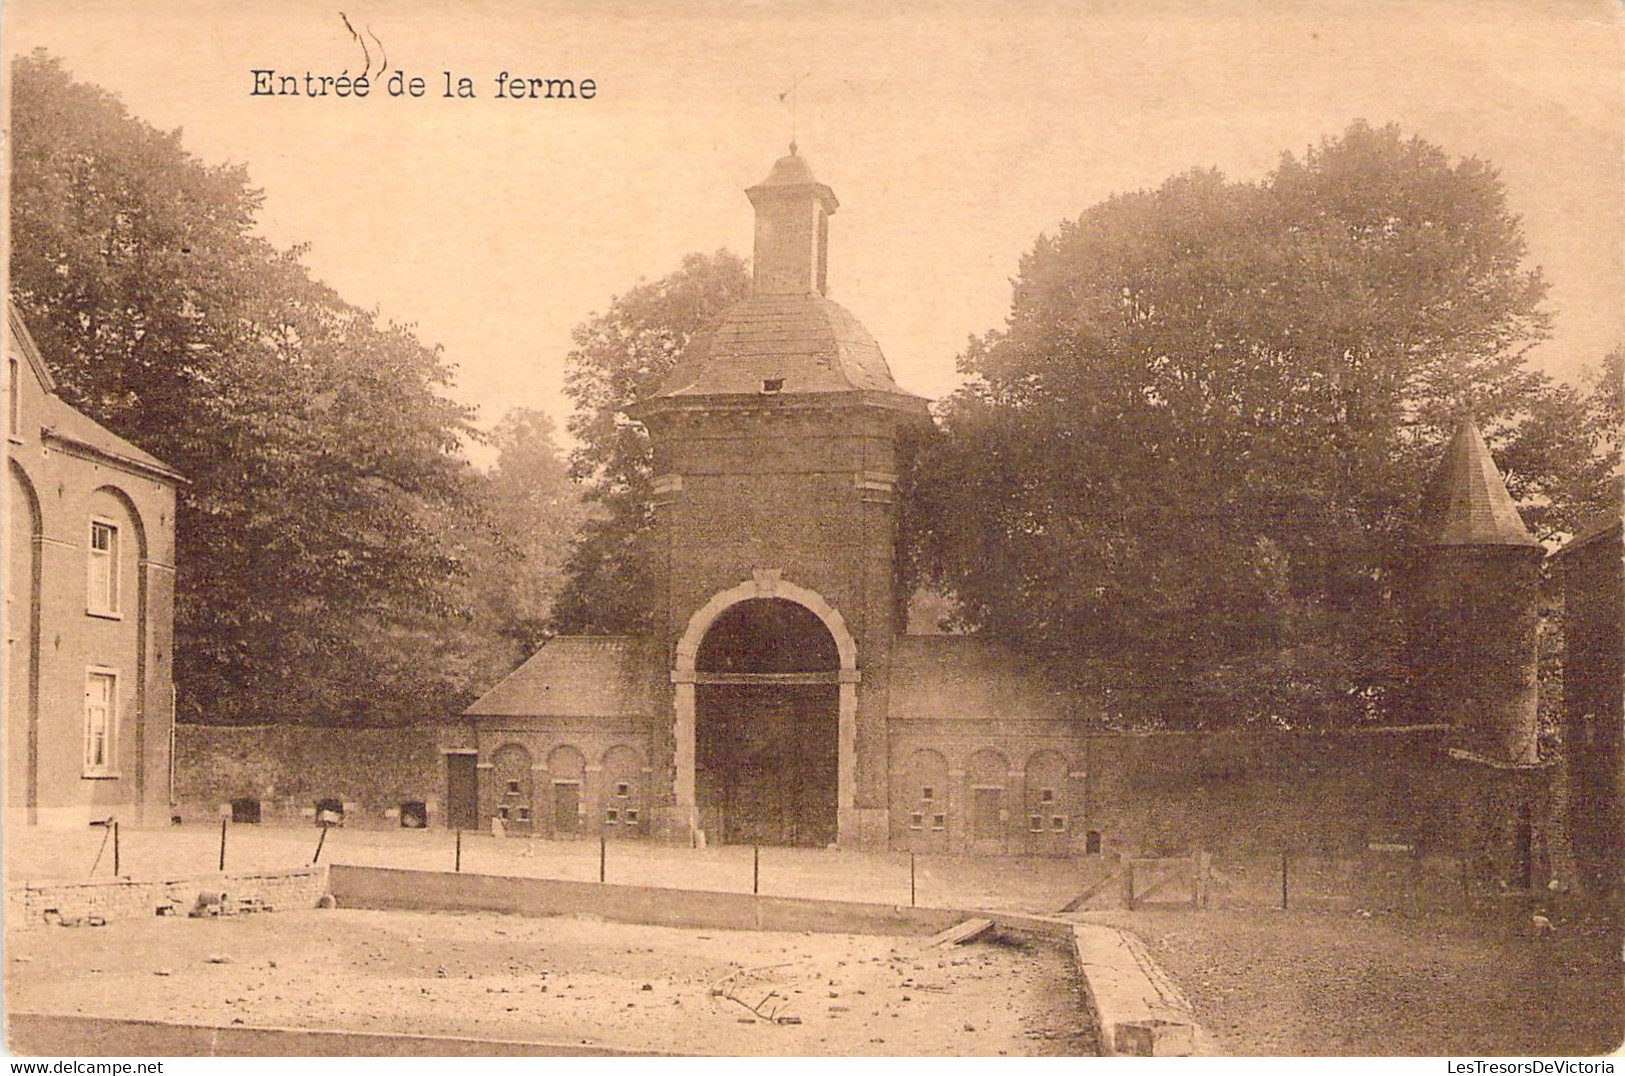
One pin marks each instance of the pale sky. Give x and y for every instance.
(953, 134)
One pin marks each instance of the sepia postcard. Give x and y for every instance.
(935, 528)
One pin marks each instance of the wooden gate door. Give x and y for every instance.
(986, 827)
(462, 797)
(566, 808)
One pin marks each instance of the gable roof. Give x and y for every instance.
(67, 425)
(575, 676)
(1467, 502)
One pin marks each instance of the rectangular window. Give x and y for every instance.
(502, 813)
(612, 816)
(101, 721)
(623, 790)
(513, 788)
(916, 820)
(523, 814)
(631, 816)
(939, 821)
(1046, 795)
(928, 793)
(1057, 823)
(103, 567)
(1036, 823)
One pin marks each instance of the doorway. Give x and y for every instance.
(766, 755)
(462, 796)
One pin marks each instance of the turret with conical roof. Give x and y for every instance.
(1478, 607)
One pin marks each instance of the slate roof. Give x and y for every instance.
(809, 343)
(963, 677)
(1467, 502)
(575, 676)
(61, 422)
(793, 171)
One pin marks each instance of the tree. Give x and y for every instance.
(322, 455)
(534, 513)
(1187, 471)
(622, 356)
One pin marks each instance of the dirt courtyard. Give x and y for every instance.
(571, 980)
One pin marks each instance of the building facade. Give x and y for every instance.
(778, 700)
(89, 596)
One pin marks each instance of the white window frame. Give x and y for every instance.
(102, 593)
(107, 723)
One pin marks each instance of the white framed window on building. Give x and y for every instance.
(101, 722)
(104, 568)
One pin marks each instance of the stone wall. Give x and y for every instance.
(1593, 573)
(33, 907)
(1166, 793)
(1054, 794)
(287, 769)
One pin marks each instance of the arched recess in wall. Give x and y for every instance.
(988, 805)
(1048, 814)
(22, 598)
(766, 584)
(921, 801)
(513, 797)
(565, 797)
(621, 807)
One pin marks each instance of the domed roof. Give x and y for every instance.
(789, 170)
(782, 343)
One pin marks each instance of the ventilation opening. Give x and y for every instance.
(772, 384)
(245, 811)
(414, 815)
(329, 813)
(1091, 842)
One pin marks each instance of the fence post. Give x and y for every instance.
(115, 850)
(457, 861)
(602, 856)
(1128, 884)
(1283, 879)
(319, 842)
(911, 879)
(223, 822)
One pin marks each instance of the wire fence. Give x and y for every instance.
(1377, 881)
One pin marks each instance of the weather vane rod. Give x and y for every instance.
(789, 97)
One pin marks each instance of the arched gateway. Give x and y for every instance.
(765, 682)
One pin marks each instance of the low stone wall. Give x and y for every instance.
(33, 907)
(378, 887)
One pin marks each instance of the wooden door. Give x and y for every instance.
(566, 808)
(462, 798)
(986, 825)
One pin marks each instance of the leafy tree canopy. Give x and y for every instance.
(620, 357)
(1187, 470)
(322, 453)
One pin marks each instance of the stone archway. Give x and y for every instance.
(687, 677)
